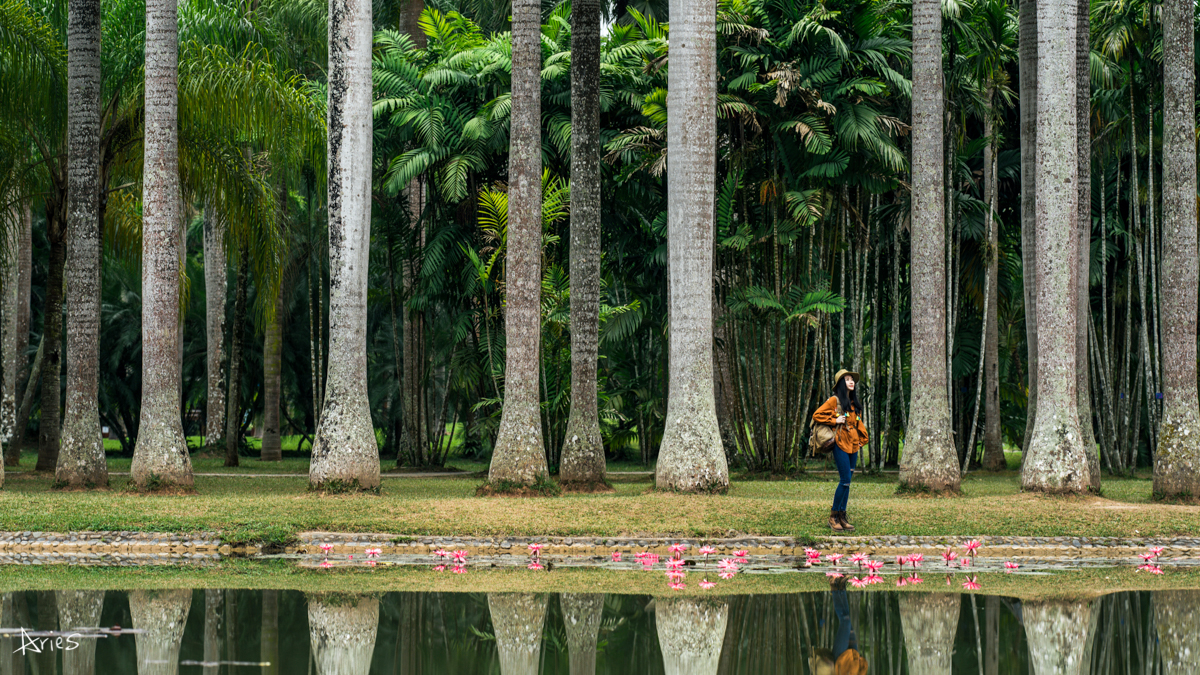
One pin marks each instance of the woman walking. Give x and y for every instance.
(842, 412)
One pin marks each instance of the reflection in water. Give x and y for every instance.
(342, 629)
(581, 617)
(930, 622)
(12, 661)
(214, 624)
(269, 640)
(1177, 617)
(1057, 633)
(161, 614)
(690, 634)
(79, 609)
(518, 619)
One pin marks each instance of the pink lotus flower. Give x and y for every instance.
(706, 584)
(650, 559)
(677, 549)
(439, 568)
(1009, 566)
(459, 569)
(640, 554)
(858, 583)
(874, 579)
(1153, 569)
(1147, 556)
(901, 561)
(460, 557)
(971, 584)
(326, 564)
(676, 575)
(833, 557)
(677, 586)
(327, 547)
(707, 551)
(947, 579)
(536, 548)
(370, 563)
(914, 579)
(441, 554)
(972, 546)
(964, 562)
(812, 554)
(902, 581)
(741, 554)
(949, 556)
(858, 558)
(1156, 550)
(616, 556)
(873, 565)
(675, 563)
(536, 566)
(834, 575)
(373, 552)
(728, 564)
(351, 557)
(915, 560)
(727, 574)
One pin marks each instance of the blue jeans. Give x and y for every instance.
(845, 465)
(845, 638)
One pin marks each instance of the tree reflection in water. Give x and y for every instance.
(581, 617)
(517, 619)
(1177, 617)
(162, 615)
(1057, 632)
(79, 609)
(930, 621)
(690, 634)
(342, 629)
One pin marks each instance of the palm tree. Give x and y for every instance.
(582, 613)
(1176, 614)
(79, 608)
(272, 442)
(1177, 458)
(930, 460)
(583, 449)
(1027, 72)
(160, 458)
(691, 456)
(342, 629)
(215, 285)
(929, 621)
(161, 617)
(1057, 630)
(517, 619)
(345, 454)
(691, 631)
(81, 460)
(1083, 276)
(518, 456)
(1057, 459)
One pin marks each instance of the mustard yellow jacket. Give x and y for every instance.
(851, 436)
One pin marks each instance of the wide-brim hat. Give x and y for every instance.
(842, 373)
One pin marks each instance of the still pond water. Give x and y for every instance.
(217, 632)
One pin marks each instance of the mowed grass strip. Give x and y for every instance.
(247, 509)
(285, 575)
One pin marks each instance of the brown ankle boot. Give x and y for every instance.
(846, 526)
(835, 522)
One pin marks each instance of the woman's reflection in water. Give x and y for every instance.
(844, 659)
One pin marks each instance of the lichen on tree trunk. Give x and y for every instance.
(1177, 616)
(1027, 73)
(215, 288)
(16, 327)
(691, 456)
(1177, 457)
(1056, 459)
(160, 458)
(1083, 102)
(161, 615)
(272, 443)
(517, 620)
(583, 448)
(581, 617)
(930, 460)
(519, 456)
(1056, 631)
(691, 633)
(929, 621)
(342, 632)
(78, 609)
(345, 454)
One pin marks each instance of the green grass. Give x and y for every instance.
(274, 508)
(287, 576)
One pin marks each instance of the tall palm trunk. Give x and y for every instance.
(268, 649)
(691, 456)
(583, 449)
(929, 621)
(930, 460)
(993, 448)
(1027, 72)
(1176, 615)
(81, 459)
(272, 442)
(345, 454)
(1056, 630)
(517, 619)
(215, 285)
(78, 609)
(581, 617)
(691, 632)
(1177, 458)
(233, 401)
(1056, 460)
(519, 456)
(161, 616)
(1083, 102)
(18, 271)
(50, 425)
(161, 454)
(342, 633)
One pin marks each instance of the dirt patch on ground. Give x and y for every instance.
(587, 488)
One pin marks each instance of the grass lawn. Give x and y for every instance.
(277, 508)
(286, 576)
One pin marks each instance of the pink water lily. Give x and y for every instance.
(706, 584)
(616, 556)
(536, 548)
(914, 579)
(677, 549)
(676, 575)
(964, 562)
(439, 568)
(874, 579)
(873, 565)
(1009, 566)
(834, 575)
(833, 557)
(536, 566)
(1156, 550)
(971, 584)
(1147, 556)
(707, 551)
(460, 557)
(441, 554)
(373, 552)
(370, 563)
(677, 586)
(901, 561)
(728, 564)
(902, 581)
(742, 553)
(972, 546)
(459, 569)
(1153, 569)
(915, 560)
(675, 563)
(858, 558)
(326, 564)
(727, 574)
(858, 583)
(812, 554)
(949, 556)
(327, 547)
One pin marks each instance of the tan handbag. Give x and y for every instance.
(823, 437)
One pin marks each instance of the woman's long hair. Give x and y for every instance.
(846, 398)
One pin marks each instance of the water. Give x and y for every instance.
(201, 631)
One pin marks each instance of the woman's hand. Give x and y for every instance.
(841, 419)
